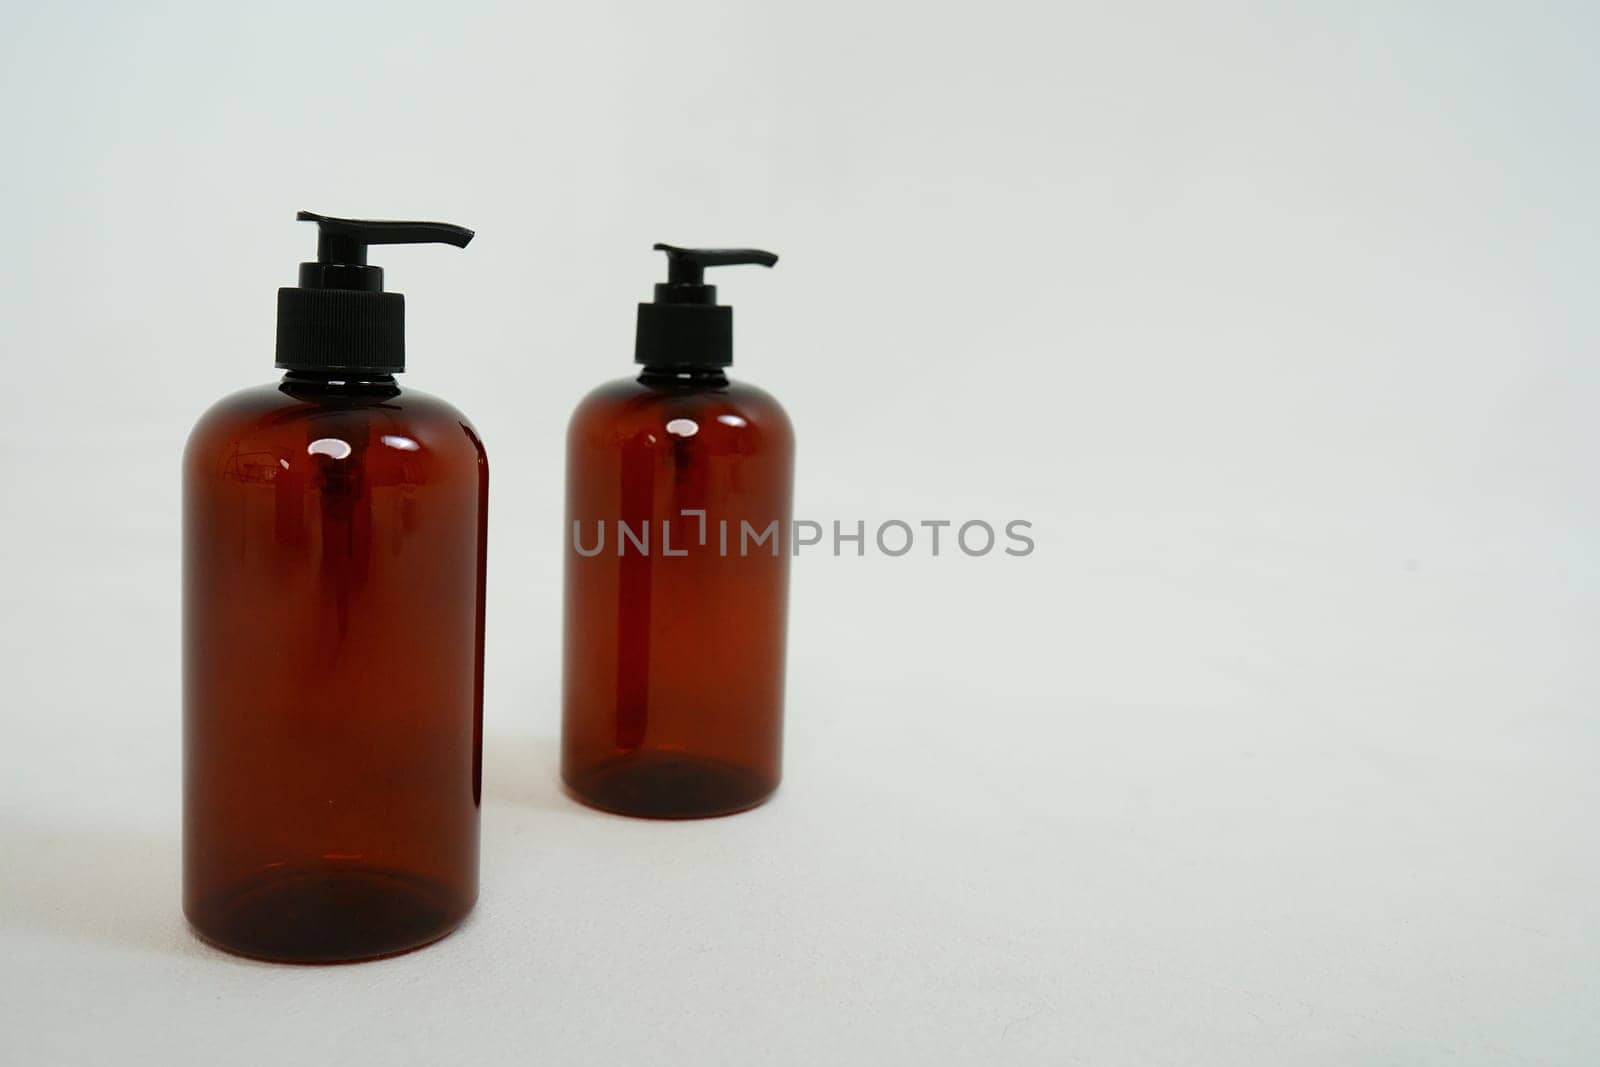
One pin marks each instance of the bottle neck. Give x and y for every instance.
(685, 377)
(350, 383)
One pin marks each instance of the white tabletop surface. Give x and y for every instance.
(1285, 838)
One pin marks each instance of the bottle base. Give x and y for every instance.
(329, 914)
(669, 785)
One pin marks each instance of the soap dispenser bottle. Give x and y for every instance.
(333, 611)
(679, 493)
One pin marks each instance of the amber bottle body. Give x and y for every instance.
(674, 647)
(334, 554)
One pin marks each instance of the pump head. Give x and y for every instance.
(339, 318)
(685, 326)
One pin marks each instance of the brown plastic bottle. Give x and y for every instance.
(334, 548)
(679, 495)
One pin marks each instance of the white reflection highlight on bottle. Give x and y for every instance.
(331, 447)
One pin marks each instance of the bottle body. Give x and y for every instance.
(679, 499)
(334, 563)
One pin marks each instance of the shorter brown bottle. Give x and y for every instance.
(333, 554)
(679, 498)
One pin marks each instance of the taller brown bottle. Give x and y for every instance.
(334, 537)
(679, 493)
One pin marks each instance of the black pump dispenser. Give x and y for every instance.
(339, 318)
(685, 326)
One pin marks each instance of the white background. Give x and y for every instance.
(1276, 320)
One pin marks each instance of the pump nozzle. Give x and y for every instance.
(685, 326)
(686, 271)
(342, 248)
(339, 317)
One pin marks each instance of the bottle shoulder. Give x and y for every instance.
(286, 422)
(734, 413)
(279, 402)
